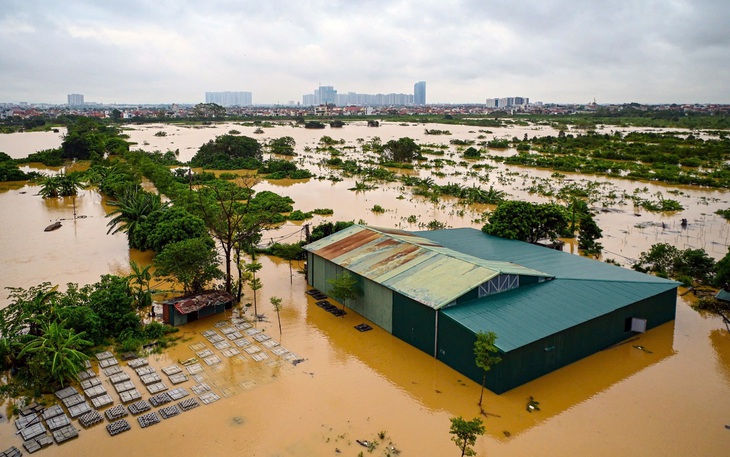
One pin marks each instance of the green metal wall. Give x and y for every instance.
(456, 343)
(414, 323)
(374, 302)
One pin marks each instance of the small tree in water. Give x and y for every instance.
(465, 433)
(484, 350)
(344, 288)
(254, 282)
(276, 303)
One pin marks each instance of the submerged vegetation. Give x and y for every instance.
(200, 211)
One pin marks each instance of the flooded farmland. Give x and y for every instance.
(672, 399)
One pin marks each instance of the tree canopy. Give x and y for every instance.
(229, 152)
(283, 146)
(402, 150)
(465, 433)
(89, 138)
(131, 210)
(525, 221)
(688, 265)
(192, 262)
(168, 225)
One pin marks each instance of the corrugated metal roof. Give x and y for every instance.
(558, 263)
(723, 295)
(189, 304)
(410, 264)
(432, 268)
(530, 313)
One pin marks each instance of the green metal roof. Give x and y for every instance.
(583, 289)
(412, 265)
(558, 264)
(527, 314)
(433, 268)
(723, 295)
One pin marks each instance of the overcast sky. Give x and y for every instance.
(164, 51)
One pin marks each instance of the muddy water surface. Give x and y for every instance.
(672, 398)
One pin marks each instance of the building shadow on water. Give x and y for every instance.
(440, 388)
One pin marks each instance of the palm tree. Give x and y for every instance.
(50, 187)
(69, 184)
(57, 351)
(139, 281)
(131, 210)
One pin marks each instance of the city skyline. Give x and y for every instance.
(559, 52)
(325, 95)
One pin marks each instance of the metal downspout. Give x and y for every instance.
(436, 337)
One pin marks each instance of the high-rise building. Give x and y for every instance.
(328, 95)
(419, 93)
(229, 98)
(506, 102)
(75, 99)
(325, 95)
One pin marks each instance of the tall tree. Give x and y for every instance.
(344, 288)
(465, 434)
(484, 355)
(225, 216)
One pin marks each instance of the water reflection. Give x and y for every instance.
(435, 386)
(720, 339)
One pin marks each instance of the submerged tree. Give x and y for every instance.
(344, 288)
(465, 434)
(403, 150)
(484, 350)
(139, 281)
(130, 211)
(193, 263)
(56, 353)
(525, 221)
(253, 282)
(714, 306)
(276, 303)
(588, 233)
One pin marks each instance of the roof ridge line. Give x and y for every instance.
(450, 251)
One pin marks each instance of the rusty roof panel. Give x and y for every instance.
(411, 265)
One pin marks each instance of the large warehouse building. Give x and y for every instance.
(437, 289)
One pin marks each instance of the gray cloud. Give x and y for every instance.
(140, 51)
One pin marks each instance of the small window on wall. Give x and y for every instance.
(635, 324)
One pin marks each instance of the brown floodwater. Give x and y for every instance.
(672, 399)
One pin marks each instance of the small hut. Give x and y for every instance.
(181, 310)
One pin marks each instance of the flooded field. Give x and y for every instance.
(672, 399)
